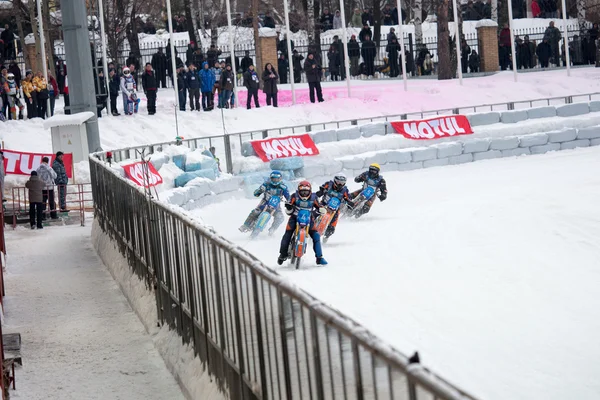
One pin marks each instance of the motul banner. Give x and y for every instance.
(434, 128)
(287, 146)
(21, 163)
(143, 174)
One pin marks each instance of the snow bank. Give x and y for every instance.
(187, 369)
(65, 120)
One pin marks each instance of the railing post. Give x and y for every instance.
(308, 128)
(456, 111)
(265, 134)
(228, 158)
(569, 100)
(317, 356)
(284, 346)
(357, 371)
(510, 106)
(259, 339)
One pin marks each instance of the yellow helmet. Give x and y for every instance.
(376, 166)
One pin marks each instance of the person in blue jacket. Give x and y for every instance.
(207, 82)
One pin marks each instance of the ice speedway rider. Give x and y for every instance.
(374, 179)
(303, 199)
(335, 188)
(273, 187)
(128, 89)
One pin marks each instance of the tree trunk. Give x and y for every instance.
(377, 22)
(581, 15)
(494, 10)
(187, 5)
(444, 63)
(310, 12)
(132, 35)
(18, 13)
(257, 47)
(418, 14)
(34, 28)
(49, 39)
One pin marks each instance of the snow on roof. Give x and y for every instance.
(267, 32)
(485, 23)
(66, 120)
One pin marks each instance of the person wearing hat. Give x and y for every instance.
(113, 90)
(226, 86)
(313, 75)
(36, 200)
(61, 179)
(128, 89)
(297, 64)
(30, 95)
(150, 84)
(252, 83)
(47, 176)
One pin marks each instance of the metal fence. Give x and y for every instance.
(228, 147)
(259, 336)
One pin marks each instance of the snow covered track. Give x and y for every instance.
(80, 338)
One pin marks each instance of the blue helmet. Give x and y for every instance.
(276, 178)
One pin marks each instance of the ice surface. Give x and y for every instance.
(490, 270)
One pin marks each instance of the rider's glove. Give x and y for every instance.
(383, 196)
(257, 193)
(289, 209)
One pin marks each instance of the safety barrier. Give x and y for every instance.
(258, 335)
(226, 144)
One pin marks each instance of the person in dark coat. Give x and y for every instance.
(544, 52)
(268, 21)
(591, 46)
(474, 61)
(189, 53)
(354, 55)
(465, 50)
(114, 90)
(226, 85)
(393, 50)
(334, 62)
(297, 61)
(552, 35)
(149, 84)
(365, 31)
(282, 67)
(159, 64)
(326, 20)
(313, 76)
(367, 18)
(246, 61)
(101, 95)
(36, 205)
(169, 68)
(531, 47)
(133, 60)
(269, 78)
(61, 179)
(368, 52)
(8, 37)
(212, 55)
(282, 46)
(61, 73)
(181, 87)
(192, 83)
(252, 83)
(197, 58)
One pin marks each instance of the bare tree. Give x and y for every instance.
(581, 6)
(257, 46)
(443, 35)
(418, 14)
(494, 5)
(49, 38)
(191, 25)
(20, 15)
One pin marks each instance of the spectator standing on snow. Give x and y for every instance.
(333, 56)
(553, 36)
(392, 35)
(149, 84)
(134, 66)
(365, 31)
(282, 67)
(268, 21)
(544, 52)
(297, 62)
(465, 50)
(535, 9)
(591, 46)
(246, 61)
(113, 91)
(8, 37)
(30, 95)
(217, 86)
(207, 83)
(531, 49)
(269, 78)
(189, 53)
(212, 54)
(252, 83)
(226, 85)
(337, 20)
(61, 179)
(41, 87)
(101, 96)
(313, 76)
(474, 61)
(36, 200)
(368, 52)
(48, 175)
(356, 20)
(53, 92)
(192, 83)
(159, 64)
(197, 58)
(367, 18)
(326, 20)
(393, 50)
(386, 16)
(354, 55)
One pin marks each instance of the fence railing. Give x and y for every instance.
(259, 336)
(228, 146)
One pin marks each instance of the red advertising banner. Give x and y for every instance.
(137, 173)
(21, 163)
(286, 146)
(434, 128)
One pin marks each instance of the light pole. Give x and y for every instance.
(43, 51)
(104, 60)
(457, 40)
(513, 51)
(345, 46)
(566, 39)
(289, 49)
(232, 51)
(402, 52)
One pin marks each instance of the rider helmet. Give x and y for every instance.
(374, 170)
(126, 71)
(339, 182)
(10, 76)
(276, 178)
(304, 190)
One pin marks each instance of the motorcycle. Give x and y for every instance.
(265, 216)
(323, 221)
(359, 202)
(299, 240)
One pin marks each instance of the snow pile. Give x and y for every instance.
(181, 361)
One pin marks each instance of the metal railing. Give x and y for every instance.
(228, 143)
(259, 336)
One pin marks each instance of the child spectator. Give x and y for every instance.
(36, 188)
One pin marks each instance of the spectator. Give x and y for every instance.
(479, 9)
(367, 18)
(504, 39)
(36, 200)
(66, 96)
(427, 65)
(470, 12)
(474, 62)
(465, 50)
(30, 95)
(393, 50)
(101, 96)
(365, 31)
(16, 71)
(341, 59)
(337, 20)
(356, 20)
(334, 62)
(282, 46)
(591, 46)
(392, 35)
(134, 65)
(576, 50)
(113, 91)
(197, 58)
(207, 83)
(169, 68)
(213, 151)
(252, 83)
(268, 21)
(150, 84)
(270, 84)
(181, 87)
(487, 10)
(354, 55)
(313, 76)
(41, 87)
(386, 16)
(53, 93)
(8, 37)
(531, 51)
(368, 52)
(47, 176)
(282, 67)
(217, 86)
(159, 64)
(189, 53)
(61, 73)
(326, 20)
(535, 9)
(212, 55)
(226, 85)
(553, 36)
(246, 61)
(61, 179)
(297, 62)
(544, 52)
(192, 83)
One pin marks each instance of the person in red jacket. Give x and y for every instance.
(53, 92)
(535, 9)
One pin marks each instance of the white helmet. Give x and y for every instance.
(10, 76)
(126, 71)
